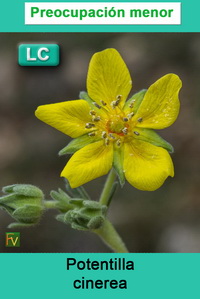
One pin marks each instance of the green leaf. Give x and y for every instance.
(118, 164)
(82, 192)
(137, 99)
(78, 143)
(76, 192)
(152, 137)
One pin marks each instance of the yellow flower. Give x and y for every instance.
(112, 132)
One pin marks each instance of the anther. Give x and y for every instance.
(97, 105)
(111, 135)
(92, 112)
(116, 103)
(96, 118)
(130, 115)
(89, 125)
(119, 97)
(91, 134)
(136, 133)
(104, 134)
(131, 104)
(107, 141)
(140, 119)
(113, 104)
(125, 119)
(125, 130)
(118, 142)
(103, 103)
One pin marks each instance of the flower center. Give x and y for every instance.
(116, 125)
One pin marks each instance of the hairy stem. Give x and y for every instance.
(105, 195)
(110, 236)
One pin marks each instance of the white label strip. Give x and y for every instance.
(102, 13)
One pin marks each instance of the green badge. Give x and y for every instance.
(12, 239)
(38, 55)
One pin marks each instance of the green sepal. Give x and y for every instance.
(84, 96)
(96, 222)
(23, 189)
(93, 205)
(74, 225)
(14, 201)
(60, 195)
(78, 143)
(28, 214)
(67, 220)
(137, 98)
(61, 200)
(152, 137)
(20, 225)
(86, 215)
(118, 164)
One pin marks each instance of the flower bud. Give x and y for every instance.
(86, 214)
(23, 203)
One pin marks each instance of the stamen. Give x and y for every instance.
(118, 142)
(130, 115)
(92, 112)
(89, 125)
(96, 118)
(103, 103)
(136, 133)
(104, 134)
(91, 134)
(119, 97)
(113, 104)
(140, 119)
(111, 135)
(107, 141)
(125, 130)
(131, 104)
(125, 119)
(97, 105)
(116, 103)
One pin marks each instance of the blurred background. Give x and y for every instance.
(166, 220)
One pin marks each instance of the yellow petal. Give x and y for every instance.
(67, 117)
(146, 166)
(160, 106)
(108, 77)
(90, 162)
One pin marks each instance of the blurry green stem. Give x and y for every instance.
(105, 195)
(110, 236)
(50, 204)
(107, 232)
